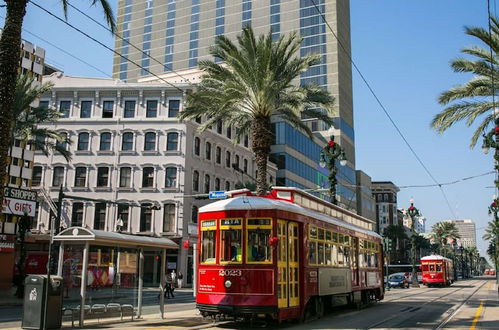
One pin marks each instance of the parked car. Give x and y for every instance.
(398, 281)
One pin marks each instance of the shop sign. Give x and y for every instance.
(7, 243)
(16, 201)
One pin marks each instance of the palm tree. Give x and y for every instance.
(472, 99)
(443, 233)
(28, 117)
(255, 83)
(395, 233)
(10, 42)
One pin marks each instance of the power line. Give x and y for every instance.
(382, 106)
(129, 43)
(105, 46)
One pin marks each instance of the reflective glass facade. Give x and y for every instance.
(275, 18)
(170, 34)
(246, 12)
(194, 34)
(146, 38)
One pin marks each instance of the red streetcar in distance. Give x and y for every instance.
(286, 255)
(437, 270)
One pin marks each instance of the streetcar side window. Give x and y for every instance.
(258, 238)
(439, 268)
(424, 267)
(208, 241)
(231, 240)
(432, 267)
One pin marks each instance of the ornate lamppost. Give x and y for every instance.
(413, 212)
(329, 154)
(494, 209)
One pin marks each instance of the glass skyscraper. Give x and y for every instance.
(178, 33)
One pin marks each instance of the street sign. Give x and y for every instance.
(217, 195)
(17, 201)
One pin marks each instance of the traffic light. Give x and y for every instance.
(387, 244)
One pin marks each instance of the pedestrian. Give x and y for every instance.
(169, 287)
(174, 278)
(180, 277)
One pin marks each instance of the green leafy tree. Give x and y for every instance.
(396, 233)
(472, 99)
(255, 83)
(10, 42)
(444, 233)
(28, 118)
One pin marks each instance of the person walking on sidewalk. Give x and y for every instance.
(180, 277)
(169, 286)
(174, 278)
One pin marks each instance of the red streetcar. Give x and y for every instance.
(437, 270)
(287, 255)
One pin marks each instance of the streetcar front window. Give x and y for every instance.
(208, 241)
(258, 238)
(432, 267)
(231, 240)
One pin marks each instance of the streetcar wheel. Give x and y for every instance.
(319, 308)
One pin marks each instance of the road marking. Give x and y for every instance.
(477, 316)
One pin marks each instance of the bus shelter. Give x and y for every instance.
(103, 271)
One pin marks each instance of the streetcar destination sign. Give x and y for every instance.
(217, 195)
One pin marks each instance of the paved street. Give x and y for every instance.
(468, 304)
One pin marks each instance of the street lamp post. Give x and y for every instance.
(494, 209)
(329, 154)
(413, 213)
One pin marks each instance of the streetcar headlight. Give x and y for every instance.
(228, 284)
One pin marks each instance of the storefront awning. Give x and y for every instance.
(101, 237)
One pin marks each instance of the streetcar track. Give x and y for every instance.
(424, 304)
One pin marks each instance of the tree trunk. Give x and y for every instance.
(262, 139)
(10, 44)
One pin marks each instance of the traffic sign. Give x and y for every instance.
(217, 195)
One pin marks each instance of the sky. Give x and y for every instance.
(403, 50)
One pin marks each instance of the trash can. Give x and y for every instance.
(34, 310)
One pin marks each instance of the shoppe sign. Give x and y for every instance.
(16, 201)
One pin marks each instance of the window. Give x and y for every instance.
(64, 108)
(85, 109)
(58, 176)
(168, 217)
(195, 181)
(105, 142)
(150, 141)
(80, 177)
(77, 215)
(129, 111)
(208, 241)
(123, 215)
(100, 216)
(219, 127)
(229, 132)
(173, 108)
(227, 186)
(194, 214)
(217, 184)
(236, 162)
(197, 143)
(127, 141)
(206, 184)
(145, 217)
(37, 176)
(208, 150)
(171, 177)
(148, 177)
(172, 141)
(231, 240)
(83, 141)
(245, 166)
(227, 159)
(125, 177)
(108, 109)
(102, 176)
(151, 108)
(258, 233)
(62, 143)
(43, 104)
(218, 155)
(246, 140)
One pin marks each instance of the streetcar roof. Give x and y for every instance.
(434, 257)
(262, 203)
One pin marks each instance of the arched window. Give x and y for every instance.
(245, 166)
(227, 159)
(105, 141)
(197, 146)
(218, 155)
(217, 184)
(170, 177)
(385, 197)
(219, 127)
(195, 181)
(206, 184)
(208, 150)
(83, 141)
(150, 141)
(63, 144)
(236, 162)
(127, 141)
(227, 185)
(77, 214)
(145, 217)
(172, 141)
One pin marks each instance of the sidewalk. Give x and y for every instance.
(7, 298)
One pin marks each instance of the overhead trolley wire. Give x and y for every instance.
(383, 107)
(105, 46)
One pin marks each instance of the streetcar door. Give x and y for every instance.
(288, 291)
